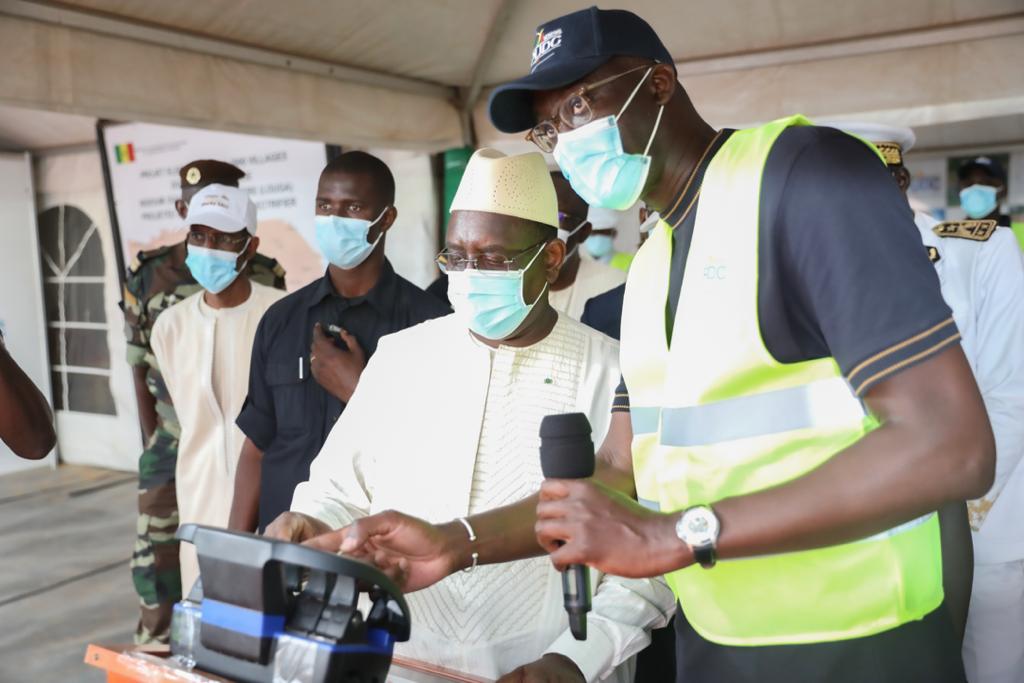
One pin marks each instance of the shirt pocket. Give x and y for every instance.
(289, 392)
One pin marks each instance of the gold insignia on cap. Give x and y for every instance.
(192, 175)
(891, 152)
(978, 231)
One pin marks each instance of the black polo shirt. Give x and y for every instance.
(842, 272)
(287, 414)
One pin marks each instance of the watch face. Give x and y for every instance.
(698, 526)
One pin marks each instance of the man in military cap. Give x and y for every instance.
(156, 280)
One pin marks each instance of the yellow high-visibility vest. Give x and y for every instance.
(621, 260)
(715, 415)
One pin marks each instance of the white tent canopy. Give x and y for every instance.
(413, 74)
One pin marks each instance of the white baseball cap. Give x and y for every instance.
(518, 186)
(223, 208)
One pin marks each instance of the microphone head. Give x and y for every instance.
(566, 449)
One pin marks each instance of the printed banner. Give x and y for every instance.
(281, 176)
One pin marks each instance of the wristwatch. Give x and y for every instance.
(699, 528)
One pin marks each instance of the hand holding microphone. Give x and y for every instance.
(567, 452)
(581, 522)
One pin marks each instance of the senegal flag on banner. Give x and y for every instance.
(125, 153)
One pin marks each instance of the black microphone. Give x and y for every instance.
(567, 452)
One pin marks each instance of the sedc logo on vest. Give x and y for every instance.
(545, 45)
(714, 271)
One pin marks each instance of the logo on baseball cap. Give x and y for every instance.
(547, 43)
(223, 208)
(565, 50)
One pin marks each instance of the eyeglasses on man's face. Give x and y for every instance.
(574, 111)
(450, 261)
(217, 240)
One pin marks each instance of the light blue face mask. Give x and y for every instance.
(600, 246)
(490, 301)
(978, 201)
(593, 161)
(342, 240)
(213, 269)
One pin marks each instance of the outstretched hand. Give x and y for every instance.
(413, 553)
(295, 527)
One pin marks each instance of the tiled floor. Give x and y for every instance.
(65, 539)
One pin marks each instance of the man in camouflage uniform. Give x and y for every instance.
(157, 280)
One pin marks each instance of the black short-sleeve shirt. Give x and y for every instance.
(842, 270)
(287, 414)
(842, 273)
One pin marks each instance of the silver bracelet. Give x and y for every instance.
(472, 537)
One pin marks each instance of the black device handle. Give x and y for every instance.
(310, 558)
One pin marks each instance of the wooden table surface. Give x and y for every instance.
(133, 664)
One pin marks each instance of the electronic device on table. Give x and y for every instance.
(268, 611)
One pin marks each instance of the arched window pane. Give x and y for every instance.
(73, 268)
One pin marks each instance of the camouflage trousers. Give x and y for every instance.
(154, 564)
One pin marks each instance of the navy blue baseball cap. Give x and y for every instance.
(565, 50)
(986, 164)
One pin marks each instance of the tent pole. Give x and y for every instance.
(483, 62)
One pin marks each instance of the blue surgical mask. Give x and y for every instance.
(978, 201)
(342, 240)
(600, 246)
(489, 301)
(593, 161)
(213, 269)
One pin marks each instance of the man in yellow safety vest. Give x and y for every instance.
(796, 405)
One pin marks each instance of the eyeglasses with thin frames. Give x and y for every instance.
(220, 240)
(450, 262)
(575, 111)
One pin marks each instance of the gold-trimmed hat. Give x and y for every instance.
(891, 141)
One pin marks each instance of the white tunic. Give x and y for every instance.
(441, 427)
(593, 278)
(983, 282)
(203, 355)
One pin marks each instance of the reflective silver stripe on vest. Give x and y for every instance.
(772, 412)
(906, 526)
(650, 504)
(644, 420)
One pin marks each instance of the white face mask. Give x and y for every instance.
(652, 220)
(564, 235)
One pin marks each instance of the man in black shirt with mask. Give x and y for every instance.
(312, 345)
